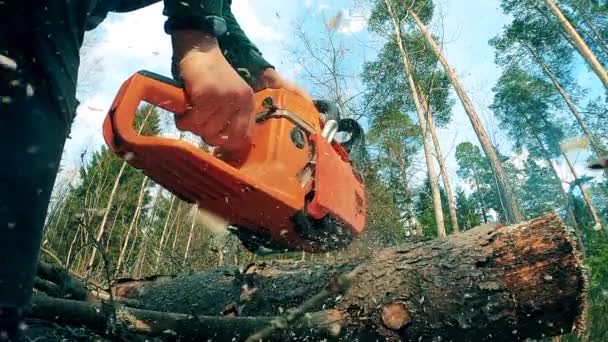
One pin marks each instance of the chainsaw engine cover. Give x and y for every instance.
(264, 193)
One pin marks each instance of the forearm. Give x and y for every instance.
(239, 50)
(212, 27)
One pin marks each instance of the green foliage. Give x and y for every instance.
(522, 103)
(469, 215)
(380, 21)
(425, 211)
(540, 193)
(384, 225)
(475, 170)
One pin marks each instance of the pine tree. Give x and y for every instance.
(534, 44)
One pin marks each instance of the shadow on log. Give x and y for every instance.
(518, 282)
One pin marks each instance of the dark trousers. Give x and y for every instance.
(32, 136)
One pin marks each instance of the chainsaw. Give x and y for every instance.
(298, 188)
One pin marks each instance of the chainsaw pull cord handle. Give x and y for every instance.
(332, 113)
(329, 130)
(330, 109)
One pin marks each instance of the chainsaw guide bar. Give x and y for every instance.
(296, 190)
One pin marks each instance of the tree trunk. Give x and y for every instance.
(519, 282)
(189, 239)
(481, 198)
(595, 145)
(178, 225)
(102, 226)
(133, 225)
(579, 43)
(511, 206)
(577, 230)
(108, 207)
(596, 219)
(442, 168)
(425, 136)
(162, 236)
(409, 207)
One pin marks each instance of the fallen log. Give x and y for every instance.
(518, 282)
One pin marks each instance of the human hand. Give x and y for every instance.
(270, 78)
(221, 101)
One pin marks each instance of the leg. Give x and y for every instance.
(32, 136)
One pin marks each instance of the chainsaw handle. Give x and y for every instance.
(157, 90)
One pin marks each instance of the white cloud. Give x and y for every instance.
(255, 29)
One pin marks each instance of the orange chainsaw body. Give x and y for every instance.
(262, 193)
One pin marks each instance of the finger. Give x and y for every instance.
(240, 129)
(194, 120)
(215, 122)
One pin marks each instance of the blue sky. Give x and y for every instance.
(125, 43)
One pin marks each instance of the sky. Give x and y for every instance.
(126, 43)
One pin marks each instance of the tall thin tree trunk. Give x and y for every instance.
(189, 239)
(423, 127)
(577, 230)
(162, 236)
(595, 145)
(596, 219)
(579, 43)
(177, 228)
(109, 239)
(133, 225)
(407, 193)
(512, 209)
(481, 199)
(442, 168)
(102, 226)
(133, 243)
(68, 259)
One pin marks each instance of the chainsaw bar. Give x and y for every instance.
(327, 234)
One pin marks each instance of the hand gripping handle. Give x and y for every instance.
(144, 86)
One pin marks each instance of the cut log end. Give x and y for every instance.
(395, 316)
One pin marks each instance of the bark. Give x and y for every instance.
(108, 207)
(440, 159)
(133, 225)
(511, 206)
(596, 219)
(131, 324)
(407, 68)
(63, 282)
(519, 282)
(579, 43)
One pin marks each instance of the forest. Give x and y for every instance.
(114, 229)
